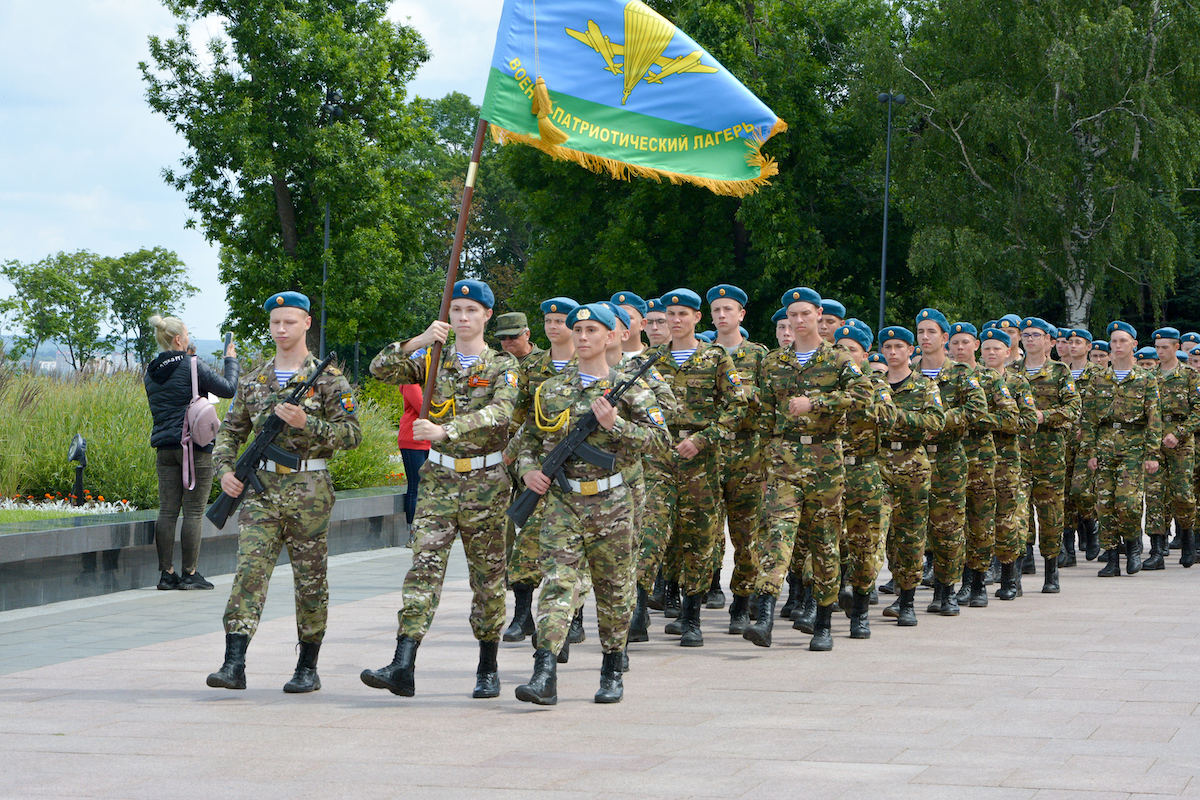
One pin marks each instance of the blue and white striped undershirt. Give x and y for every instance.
(465, 362)
(1075, 373)
(1121, 374)
(559, 366)
(681, 356)
(804, 357)
(587, 380)
(283, 376)
(931, 373)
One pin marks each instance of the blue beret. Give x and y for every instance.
(997, 335)
(1194, 350)
(1166, 333)
(1010, 321)
(559, 305)
(1100, 344)
(1037, 322)
(654, 304)
(1144, 353)
(964, 327)
(723, 291)
(478, 291)
(745, 333)
(1060, 333)
(896, 332)
(779, 315)
(617, 311)
(1182, 356)
(1082, 333)
(1194, 338)
(287, 300)
(991, 323)
(876, 358)
(1121, 326)
(596, 312)
(707, 336)
(629, 299)
(801, 294)
(917, 349)
(933, 315)
(863, 337)
(681, 297)
(833, 308)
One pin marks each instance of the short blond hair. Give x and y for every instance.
(166, 329)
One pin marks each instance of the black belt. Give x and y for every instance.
(854, 461)
(808, 438)
(903, 445)
(742, 436)
(1125, 426)
(1174, 417)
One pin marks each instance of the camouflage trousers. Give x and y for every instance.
(692, 492)
(981, 502)
(1120, 485)
(655, 531)
(802, 510)
(1012, 508)
(1169, 491)
(1044, 457)
(1081, 494)
(469, 505)
(294, 511)
(742, 493)
(907, 474)
(592, 534)
(521, 546)
(863, 502)
(946, 537)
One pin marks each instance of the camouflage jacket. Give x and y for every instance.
(536, 368)
(833, 381)
(863, 426)
(1130, 405)
(1022, 393)
(473, 405)
(708, 391)
(332, 424)
(1054, 392)
(1179, 401)
(748, 358)
(963, 400)
(919, 409)
(1003, 415)
(640, 428)
(654, 379)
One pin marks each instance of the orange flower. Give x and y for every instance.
(49, 496)
(101, 498)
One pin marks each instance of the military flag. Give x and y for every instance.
(617, 88)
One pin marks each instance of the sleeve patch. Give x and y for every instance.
(417, 354)
(1070, 386)
(656, 414)
(656, 375)
(854, 368)
(1029, 401)
(510, 378)
(734, 380)
(348, 402)
(974, 382)
(1004, 391)
(937, 399)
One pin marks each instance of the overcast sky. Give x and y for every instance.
(83, 154)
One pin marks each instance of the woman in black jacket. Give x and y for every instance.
(169, 390)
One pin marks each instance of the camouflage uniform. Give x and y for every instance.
(1081, 494)
(1012, 505)
(1044, 452)
(479, 402)
(863, 499)
(1169, 491)
(711, 407)
(804, 462)
(980, 446)
(907, 472)
(294, 511)
(588, 527)
(1122, 427)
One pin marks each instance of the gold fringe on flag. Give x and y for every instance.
(541, 106)
(621, 170)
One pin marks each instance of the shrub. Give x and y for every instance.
(385, 396)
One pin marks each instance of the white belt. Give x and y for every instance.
(310, 465)
(595, 487)
(466, 464)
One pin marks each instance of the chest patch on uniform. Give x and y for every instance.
(656, 414)
(510, 378)
(1070, 386)
(347, 402)
(475, 380)
(262, 378)
(974, 382)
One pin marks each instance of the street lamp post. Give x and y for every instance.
(331, 111)
(899, 99)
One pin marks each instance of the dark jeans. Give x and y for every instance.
(171, 497)
(412, 460)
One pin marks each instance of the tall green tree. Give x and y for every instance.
(137, 285)
(263, 158)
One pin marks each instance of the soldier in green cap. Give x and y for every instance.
(512, 331)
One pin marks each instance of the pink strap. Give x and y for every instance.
(189, 463)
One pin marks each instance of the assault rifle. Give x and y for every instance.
(575, 445)
(261, 450)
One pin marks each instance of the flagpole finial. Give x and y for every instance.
(542, 108)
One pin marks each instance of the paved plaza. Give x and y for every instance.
(1090, 694)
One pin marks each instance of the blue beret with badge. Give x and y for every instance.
(617, 311)
(478, 291)
(854, 333)
(1146, 354)
(1082, 333)
(781, 314)
(1194, 350)
(707, 336)
(801, 294)
(876, 358)
(745, 333)
(1037, 323)
(655, 304)
(833, 308)
(964, 327)
(1101, 345)
(1190, 338)
(991, 323)
(287, 300)
(997, 335)
(1010, 321)
(1166, 333)
(681, 297)
(595, 312)
(1124, 327)
(630, 299)
(723, 291)
(559, 305)
(1182, 356)
(896, 332)
(1060, 333)
(935, 316)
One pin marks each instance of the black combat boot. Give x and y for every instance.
(889, 587)
(894, 609)
(964, 594)
(1157, 547)
(522, 624)
(949, 601)
(675, 626)
(822, 639)
(487, 674)
(658, 597)
(305, 678)
(671, 605)
(691, 635)
(739, 614)
(639, 623)
(927, 573)
(1112, 567)
(1187, 553)
(232, 674)
(1177, 542)
(1050, 581)
(979, 595)
(1066, 558)
(715, 597)
(873, 597)
(1091, 537)
(993, 571)
(575, 633)
(908, 614)
(564, 655)
(805, 614)
(935, 605)
(860, 624)
(793, 599)
(396, 677)
(542, 688)
(1028, 564)
(752, 603)
(611, 687)
(1008, 582)
(1133, 556)
(845, 600)
(760, 632)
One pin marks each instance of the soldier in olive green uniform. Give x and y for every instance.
(464, 485)
(294, 510)
(1079, 508)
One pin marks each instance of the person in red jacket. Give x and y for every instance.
(413, 453)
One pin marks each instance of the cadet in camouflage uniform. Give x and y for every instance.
(1044, 453)
(294, 510)
(1079, 509)
(1123, 429)
(1173, 495)
(711, 407)
(963, 400)
(592, 524)
(806, 391)
(464, 485)
(906, 469)
(741, 463)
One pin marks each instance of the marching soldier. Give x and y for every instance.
(657, 330)
(783, 328)
(833, 316)
(1079, 508)
(1099, 353)
(294, 510)
(636, 308)
(1172, 494)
